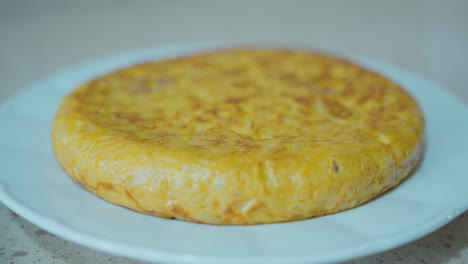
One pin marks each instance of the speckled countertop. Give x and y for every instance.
(40, 37)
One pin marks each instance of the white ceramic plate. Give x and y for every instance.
(34, 186)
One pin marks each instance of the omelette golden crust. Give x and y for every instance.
(239, 136)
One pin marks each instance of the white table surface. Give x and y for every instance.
(429, 38)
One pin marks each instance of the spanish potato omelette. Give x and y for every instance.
(239, 136)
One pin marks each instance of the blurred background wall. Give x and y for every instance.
(429, 37)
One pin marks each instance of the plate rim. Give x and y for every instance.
(63, 230)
